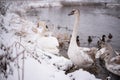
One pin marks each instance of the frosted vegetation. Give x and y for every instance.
(21, 55)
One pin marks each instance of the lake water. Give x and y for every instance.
(94, 21)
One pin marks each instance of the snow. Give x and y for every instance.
(82, 75)
(43, 71)
(39, 64)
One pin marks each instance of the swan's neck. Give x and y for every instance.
(75, 28)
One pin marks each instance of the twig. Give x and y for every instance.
(17, 56)
(23, 63)
(29, 51)
(18, 64)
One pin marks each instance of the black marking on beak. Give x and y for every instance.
(71, 13)
(46, 26)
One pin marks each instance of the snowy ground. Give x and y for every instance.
(29, 62)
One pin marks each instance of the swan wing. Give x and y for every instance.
(91, 52)
(114, 65)
(49, 44)
(100, 52)
(84, 54)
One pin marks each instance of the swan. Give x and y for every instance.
(46, 41)
(80, 56)
(48, 44)
(110, 57)
(41, 29)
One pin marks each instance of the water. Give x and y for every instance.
(94, 21)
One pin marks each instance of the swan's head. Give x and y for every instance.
(74, 11)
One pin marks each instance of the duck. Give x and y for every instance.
(110, 58)
(89, 39)
(80, 56)
(103, 38)
(110, 36)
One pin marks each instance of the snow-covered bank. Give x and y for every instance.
(27, 60)
(39, 65)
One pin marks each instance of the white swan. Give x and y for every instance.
(48, 44)
(41, 28)
(79, 56)
(45, 40)
(110, 57)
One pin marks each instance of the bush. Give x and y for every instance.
(3, 7)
